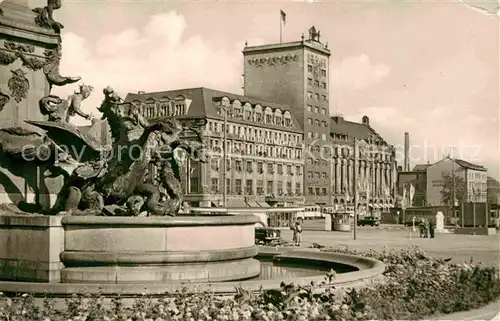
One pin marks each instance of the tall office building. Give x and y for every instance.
(296, 74)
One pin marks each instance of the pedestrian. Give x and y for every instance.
(421, 228)
(297, 234)
(431, 229)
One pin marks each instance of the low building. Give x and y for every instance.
(493, 191)
(264, 149)
(413, 182)
(474, 177)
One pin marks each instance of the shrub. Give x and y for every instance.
(415, 286)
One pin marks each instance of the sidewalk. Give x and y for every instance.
(491, 312)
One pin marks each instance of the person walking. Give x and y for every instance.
(297, 234)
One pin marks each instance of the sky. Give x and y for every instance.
(428, 68)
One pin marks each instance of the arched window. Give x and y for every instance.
(278, 117)
(259, 117)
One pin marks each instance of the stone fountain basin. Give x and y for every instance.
(136, 255)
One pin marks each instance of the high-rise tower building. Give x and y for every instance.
(296, 74)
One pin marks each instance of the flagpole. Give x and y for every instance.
(281, 27)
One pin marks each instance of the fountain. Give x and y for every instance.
(112, 226)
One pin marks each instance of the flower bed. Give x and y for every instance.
(415, 286)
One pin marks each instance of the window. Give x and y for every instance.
(228, 185)
(249, 187)
(316, 96)
(270, 168)
(238, 165)
(289, 188)
(323, 123)
(298, 190)
(228, 164)
(316, 122)
(309, 95)
(323, 191)
(316, 83)
(310, 191)
(309, 108)
(323, 136)
(323, 72)
(237, 186)
(323, 111)
(316, 175)
(323, 85)
(309, 68)
(280, 188)
(260, 167)
(260, 187)
(215, 185)
(316, 135)
(317, 191)
(280, 169)
(309, 135)
(298, 170)
(323, 175)
(309, 81)
(310, 121)
(289, 169)
(323, 97)
(269, 187)
(316, 110)
(249, 166)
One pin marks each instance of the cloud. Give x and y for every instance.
(153, 58)
(358, 72)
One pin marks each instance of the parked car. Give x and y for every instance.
(266, 235)
(369, 220)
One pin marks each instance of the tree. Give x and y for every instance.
(450, 185)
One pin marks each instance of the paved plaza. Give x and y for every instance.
(460, 248)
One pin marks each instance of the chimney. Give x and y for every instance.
(365, 120)
(407, 152)
(140, 92)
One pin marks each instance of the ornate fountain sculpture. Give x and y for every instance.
(114, 181)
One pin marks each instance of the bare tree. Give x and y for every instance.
(453, 186)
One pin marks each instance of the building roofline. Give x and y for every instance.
(287, 45)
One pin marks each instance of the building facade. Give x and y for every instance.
(373, 174)
(415, 181)
(264, 147)
(296, 74)
(474, 177)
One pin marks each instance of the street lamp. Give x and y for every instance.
(224, 108)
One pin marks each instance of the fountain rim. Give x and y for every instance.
(369, 270)
(176, 221)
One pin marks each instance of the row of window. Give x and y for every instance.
(249, 167)
(316, 110)
(476, 175)
(161, 108)
(316, 96)
(255, 113)
(316, 83)
(237, 188)
(343, 151)
(316, 135)
(317, 122)
(242, 148)
(318, 191)
(322, 72)
(257, 133)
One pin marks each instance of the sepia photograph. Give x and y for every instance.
(284, 160)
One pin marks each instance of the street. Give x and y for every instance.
(460, 248)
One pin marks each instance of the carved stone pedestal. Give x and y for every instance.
(28, 53)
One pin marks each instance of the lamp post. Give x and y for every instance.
(355, 189)
(224, 108)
